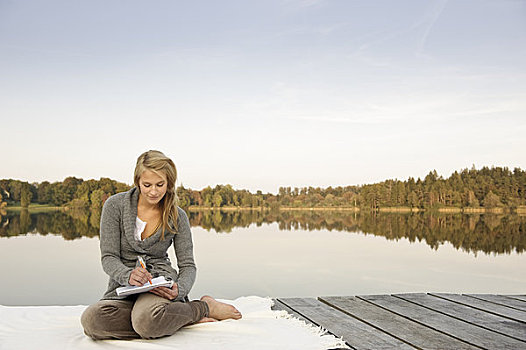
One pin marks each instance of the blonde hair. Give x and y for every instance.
(157, 162)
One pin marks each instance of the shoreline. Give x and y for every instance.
(453, 210)
(36, 208)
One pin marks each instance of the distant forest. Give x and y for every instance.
(493, 187)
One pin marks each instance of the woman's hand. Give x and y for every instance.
(139, 277)
(167, 293)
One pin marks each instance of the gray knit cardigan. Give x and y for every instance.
(119, 248)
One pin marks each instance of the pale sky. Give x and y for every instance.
(261, 94)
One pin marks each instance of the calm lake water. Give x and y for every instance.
(53, 258)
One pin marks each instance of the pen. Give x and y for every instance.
(143, 265)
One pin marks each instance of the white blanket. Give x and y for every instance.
(58, 327)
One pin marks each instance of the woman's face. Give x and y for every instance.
(153, 186)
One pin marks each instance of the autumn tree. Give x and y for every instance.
(492, 200)
(25, 195)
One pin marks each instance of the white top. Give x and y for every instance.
(139, 228)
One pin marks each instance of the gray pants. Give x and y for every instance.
(148, 316)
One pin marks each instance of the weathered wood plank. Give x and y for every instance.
(291, 311)
(501, 300)
(356, 334)
(518, 297)
(485, 306)
(397, 326)
(453, 327)
(477, 317)
(278, 305)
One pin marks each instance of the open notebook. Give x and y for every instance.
(156, 282)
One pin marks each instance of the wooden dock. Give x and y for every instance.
(417, 320)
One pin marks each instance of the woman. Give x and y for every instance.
(145, 221)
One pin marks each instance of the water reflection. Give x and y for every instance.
(70, 225)
(487, 233)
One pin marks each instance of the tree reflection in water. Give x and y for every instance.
(487, 233)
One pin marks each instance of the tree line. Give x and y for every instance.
(495, 187)
(72, 192)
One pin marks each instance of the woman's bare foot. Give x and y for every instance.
(220, 311)
(207, 319)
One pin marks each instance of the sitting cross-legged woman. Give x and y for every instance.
(144, 222)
